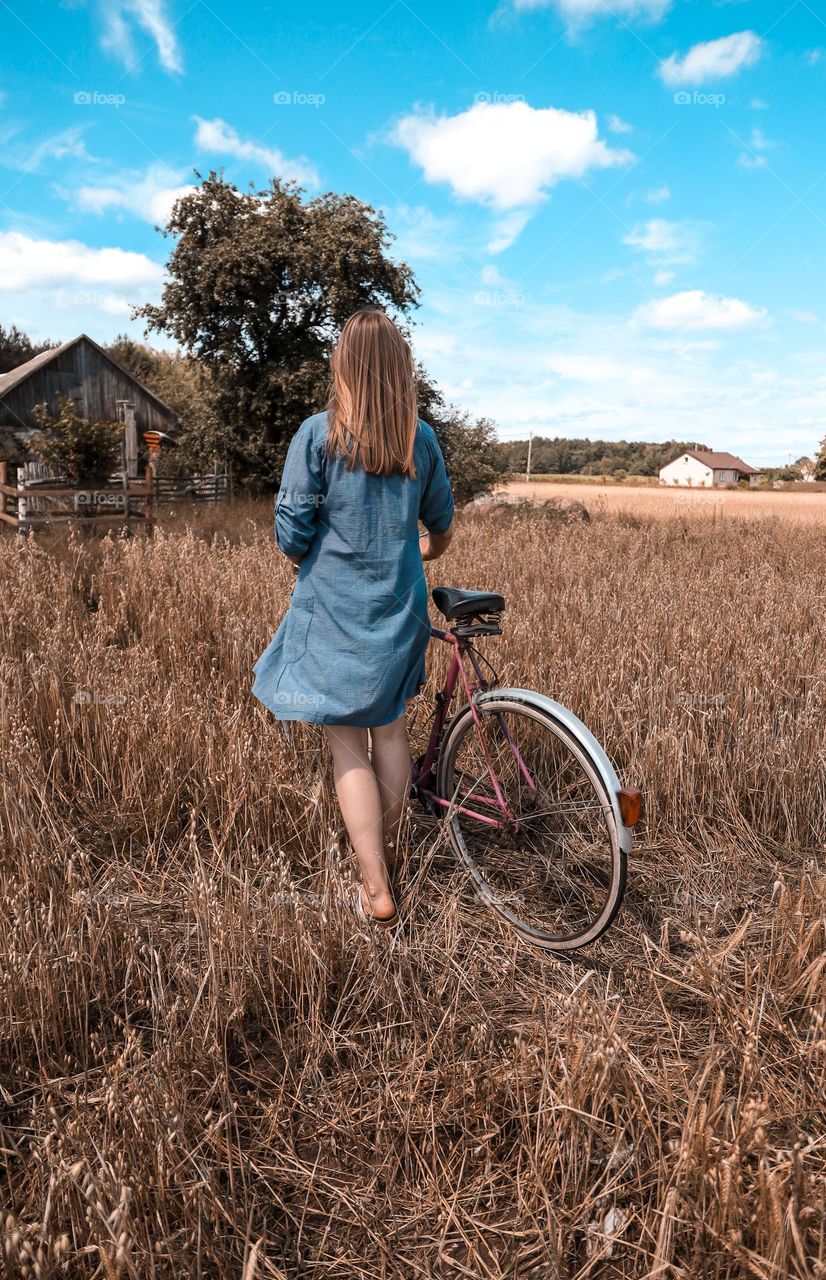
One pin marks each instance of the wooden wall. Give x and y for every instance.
(96, 384)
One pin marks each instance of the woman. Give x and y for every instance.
(351, 650)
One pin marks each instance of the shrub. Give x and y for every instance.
(81, 450)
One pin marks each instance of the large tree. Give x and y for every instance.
(260, 283)
(469, 445)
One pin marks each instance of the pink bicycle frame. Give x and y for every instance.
(422, 778)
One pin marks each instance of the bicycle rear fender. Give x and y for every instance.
(583, 736)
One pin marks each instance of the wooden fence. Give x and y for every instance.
(39, 497)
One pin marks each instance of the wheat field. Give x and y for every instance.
(207, 1070)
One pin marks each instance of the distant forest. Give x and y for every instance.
(591, 457)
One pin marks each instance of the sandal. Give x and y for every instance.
(381, 922)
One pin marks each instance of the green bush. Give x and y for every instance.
(83, 451)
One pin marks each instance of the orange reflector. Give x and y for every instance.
(630, 802)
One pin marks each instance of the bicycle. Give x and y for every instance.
(533, 806)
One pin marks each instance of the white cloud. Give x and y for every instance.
(666, 242)
(694, 309)
(617, 125)
(804, 317)
(757, 104)
(547, 367)
(753, 157)
(714, 60)
(507, 229)
(111, 304)
(219, 138)
(594, 369)
(120, 16)
(657, 195)
(150, 196)
(584, 10)
(25, 156)
(505, 155)
(420, 233)
(746, 161)
(26, 263)
(662, 278)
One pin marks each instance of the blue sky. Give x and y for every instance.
(616, 209)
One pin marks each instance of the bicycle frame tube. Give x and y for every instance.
(443, 700)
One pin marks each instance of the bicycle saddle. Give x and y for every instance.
(455, 604)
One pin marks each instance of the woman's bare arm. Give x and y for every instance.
(434, 545)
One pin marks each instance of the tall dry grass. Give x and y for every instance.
(206, 1070)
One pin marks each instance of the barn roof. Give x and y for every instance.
(14, 377)
(721, 461)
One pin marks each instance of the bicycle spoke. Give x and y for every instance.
(549, 864)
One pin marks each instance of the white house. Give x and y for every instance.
(702, 469)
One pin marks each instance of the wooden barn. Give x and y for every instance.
(101, 389)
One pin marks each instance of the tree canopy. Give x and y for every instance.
(558, 456)
(16, 348)
(259, 285)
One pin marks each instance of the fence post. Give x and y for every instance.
(22, 526)
(149, 482)
(4, 479)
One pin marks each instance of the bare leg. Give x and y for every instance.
(391, 765)
(361, 808)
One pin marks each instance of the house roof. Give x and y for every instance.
(21, 373)
(14, 377)
(722, 461)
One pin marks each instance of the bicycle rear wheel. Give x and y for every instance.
(556, 870)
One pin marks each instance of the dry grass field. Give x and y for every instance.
(206, 1070)
(654, 502)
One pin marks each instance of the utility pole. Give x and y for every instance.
(528, 468)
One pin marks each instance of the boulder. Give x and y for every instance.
(572, 509)
(493, 503)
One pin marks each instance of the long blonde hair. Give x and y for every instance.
(372, 410)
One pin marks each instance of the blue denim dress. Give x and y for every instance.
(351, 647)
